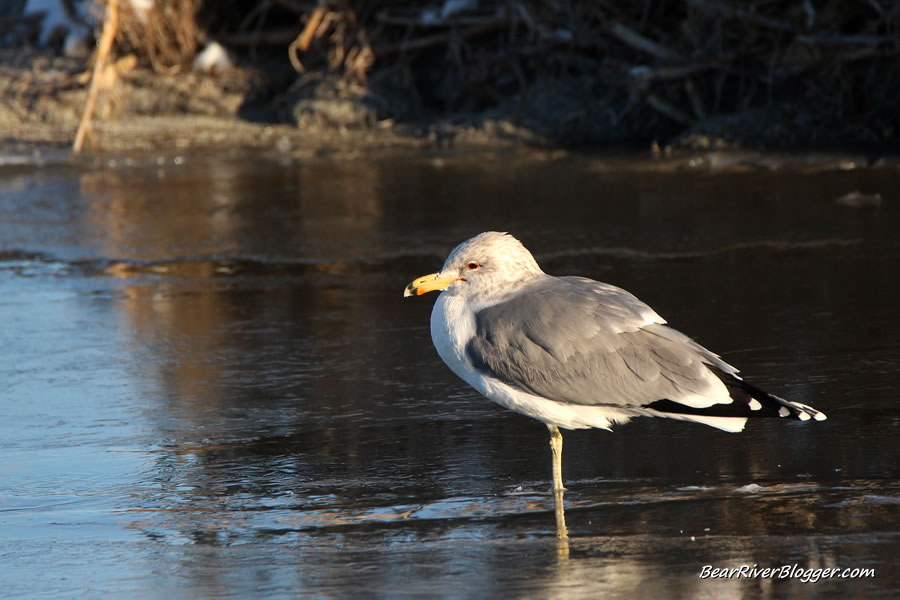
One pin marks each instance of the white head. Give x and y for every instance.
(485, 267)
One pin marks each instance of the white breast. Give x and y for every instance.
(452, 326)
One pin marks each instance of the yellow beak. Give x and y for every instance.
(427, 283)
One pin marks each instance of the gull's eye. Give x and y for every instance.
(472, 265)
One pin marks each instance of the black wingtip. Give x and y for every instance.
(748, 402)
(766, 404)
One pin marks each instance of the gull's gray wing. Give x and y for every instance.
(579, 341)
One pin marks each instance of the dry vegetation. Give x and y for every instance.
(776, 72)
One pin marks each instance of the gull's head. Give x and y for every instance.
(487, 266)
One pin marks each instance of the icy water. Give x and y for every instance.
(211, 386)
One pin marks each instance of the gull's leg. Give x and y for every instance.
(556, 450)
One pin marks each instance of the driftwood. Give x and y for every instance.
(110, 25)
(683, 61)
(676, 62)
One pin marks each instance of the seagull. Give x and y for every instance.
(576, 353)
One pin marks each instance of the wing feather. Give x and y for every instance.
(579, 341)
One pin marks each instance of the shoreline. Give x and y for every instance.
(142, 112)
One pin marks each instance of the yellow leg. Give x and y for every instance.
(556, 450)
(562, 532)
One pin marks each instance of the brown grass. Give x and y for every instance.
(680, 61)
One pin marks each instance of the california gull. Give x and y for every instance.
(576, 353)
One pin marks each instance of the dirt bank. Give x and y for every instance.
(699, 75)
(44, 96)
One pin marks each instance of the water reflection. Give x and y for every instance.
(212, 367)
(217, 209)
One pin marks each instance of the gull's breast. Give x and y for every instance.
(452, 326)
